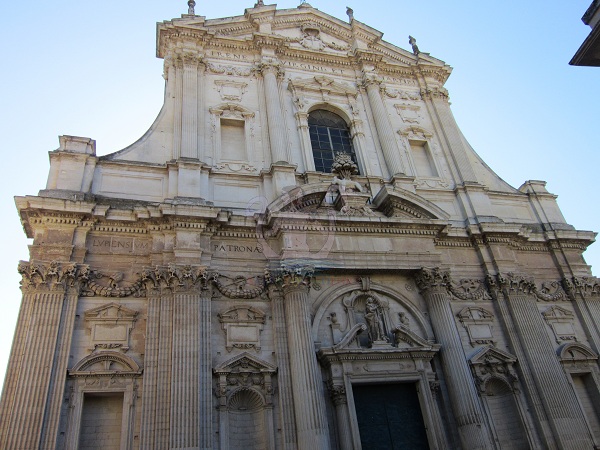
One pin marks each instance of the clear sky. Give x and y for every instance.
(89, 69)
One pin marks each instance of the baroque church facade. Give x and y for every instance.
(302, 252)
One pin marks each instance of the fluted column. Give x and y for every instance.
(279, 153)
(559, 399)
(286, 403)
(33, 395)
(391, 152)
(340, 401)
(177, 87)
(463, 394)
(307, 385)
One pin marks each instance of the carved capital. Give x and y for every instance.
(176, 278)
(337, 393)
(588, 287)
(435, 93)
(516, 284)
(432, 280)
(52, 276)
(271, 66)
(372, 79)
(292, 277)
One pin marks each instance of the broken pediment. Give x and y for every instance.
(492, 356)
(105, 363)
(396, 202)
(245, 363)
(576, 352)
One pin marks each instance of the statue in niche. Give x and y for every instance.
(374, 321)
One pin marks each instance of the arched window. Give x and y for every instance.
(329, 135)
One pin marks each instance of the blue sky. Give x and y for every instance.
(89, 69)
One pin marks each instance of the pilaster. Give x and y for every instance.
(337, 392)
(561, 405)
(465, 403)
(35, 379)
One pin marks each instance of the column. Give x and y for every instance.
(30, 394)
(307, 385)
(286, 402)
(340, 401)
(387, 138)
(463, 394)
(560, 402)
(277, 138)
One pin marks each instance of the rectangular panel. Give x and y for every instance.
(101, 420)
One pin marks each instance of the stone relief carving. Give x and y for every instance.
(230, 70)
(242, 325)
(311, 39)
(408, 113)
(110, 326)
(109, 285)
(235, 167)
(292, 275)
(231, 90)
(550, 291)
(492, 363)
(478, 323)
(402, 95)
(562, 323)
(352, 198)
(468, 289)
(239, 286)
(175, 278)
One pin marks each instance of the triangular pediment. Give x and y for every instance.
(245, 362)
(556, 312)
(492, 355)
(111, 311)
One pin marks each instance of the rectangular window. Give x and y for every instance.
(590, 400)
(101, 420)
(233, 140)
(424, 165)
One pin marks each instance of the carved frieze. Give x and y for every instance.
(239, 286)
(242, 325)
(110, 285)
(230, 70)
(175, 278)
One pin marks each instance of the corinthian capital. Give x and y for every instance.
(292, 277)
(432, 280)
(270, 65)
(51, 276)
(371, 78)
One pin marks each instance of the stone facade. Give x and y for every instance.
(208, 288)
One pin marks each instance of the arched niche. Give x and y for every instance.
(245, 388)
(338, 310)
